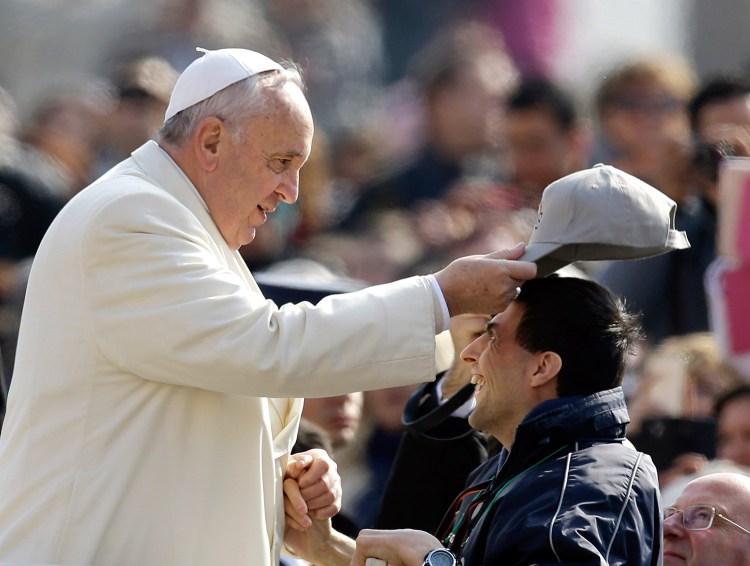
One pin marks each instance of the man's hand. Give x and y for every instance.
(403, 547)
(320, 544)
(312, 488)
(484, 283)
(465, 328)
(309, 543)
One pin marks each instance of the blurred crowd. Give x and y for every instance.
(426, 149)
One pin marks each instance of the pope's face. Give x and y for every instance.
(260, 165)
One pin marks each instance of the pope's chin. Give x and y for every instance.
(244, 237)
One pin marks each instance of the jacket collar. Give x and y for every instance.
(556, 423)
(579, 414)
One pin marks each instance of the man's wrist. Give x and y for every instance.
(439, 557)
(338, 551)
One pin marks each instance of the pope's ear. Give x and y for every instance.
(548, 365)
(207, 140)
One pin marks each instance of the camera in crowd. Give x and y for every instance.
(707, 157)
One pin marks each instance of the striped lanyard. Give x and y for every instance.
(475, 511)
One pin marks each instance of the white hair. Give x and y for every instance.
(232, 104)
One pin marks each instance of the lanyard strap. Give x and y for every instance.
(451, 538)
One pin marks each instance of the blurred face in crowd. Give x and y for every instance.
(644, 117)
(136, 119)
(735, 111)
(386, 406)
(247, 175)
(539, 149)
(723, 121)
(733, 442)
(68, 132)
(339, 416)
(465, 115)
(723, 543)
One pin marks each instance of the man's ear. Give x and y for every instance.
(209, 135)
(548, 365)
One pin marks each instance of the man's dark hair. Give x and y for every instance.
(729, 396)
(721, 88)
(585, 324)
(543, 94)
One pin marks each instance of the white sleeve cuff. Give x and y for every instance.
(442, 316)
(464, 410)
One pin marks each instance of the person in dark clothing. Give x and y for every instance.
(462, 79)
(567, 486)
(669, 289)
(545, 137)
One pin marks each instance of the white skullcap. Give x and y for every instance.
(213, 72)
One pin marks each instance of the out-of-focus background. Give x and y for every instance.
(46, 43)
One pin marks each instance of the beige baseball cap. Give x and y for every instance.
(215, 71)
(601, 213)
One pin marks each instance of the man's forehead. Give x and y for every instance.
(726, 496)
(508, 318)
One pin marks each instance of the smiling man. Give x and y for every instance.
(157, 393)
(567, 488)
(709, 523)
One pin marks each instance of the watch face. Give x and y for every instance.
(441, 557)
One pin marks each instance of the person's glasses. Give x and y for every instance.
(700, 517)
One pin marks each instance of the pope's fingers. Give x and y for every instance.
(297, 464)
(326, 499)
(295, 519)
(320, 488)
(293, 494)
(319, 468)
(293, 523)
(509, 253)
(326, 512)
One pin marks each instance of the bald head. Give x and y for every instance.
(729, 534)
(729, 482)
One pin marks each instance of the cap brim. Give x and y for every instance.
(546, 264)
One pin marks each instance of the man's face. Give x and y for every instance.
(735, 111)
(339, 416)
(539, 149)
(500, 369)
(645, 116)
(466, 115)
(723, 543)
(734, 431)
(259, 168)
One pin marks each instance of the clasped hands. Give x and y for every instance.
(312, 495)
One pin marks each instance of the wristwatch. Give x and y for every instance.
(439, 557)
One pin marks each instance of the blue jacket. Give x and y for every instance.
(572, 490)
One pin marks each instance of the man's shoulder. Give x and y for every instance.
(591, 471)
(613, 468)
